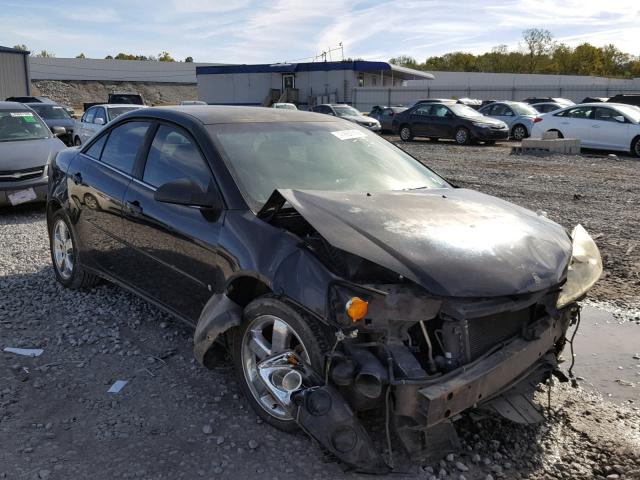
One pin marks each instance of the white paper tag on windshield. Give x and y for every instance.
(21, 114)
(349, 134)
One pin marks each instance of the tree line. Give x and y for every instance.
(161, 57)
(537, 53)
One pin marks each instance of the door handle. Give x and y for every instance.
(77, 178)
(134, 207)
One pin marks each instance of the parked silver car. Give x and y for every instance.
(546, 107)
(95, 118)
(26, 148)
(348, 113)
(517, 115)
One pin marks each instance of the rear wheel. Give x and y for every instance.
(77, 142)
(64, 255)
(462, 136)
(406, 135)
(519, 132)
(635, 147)
(271, 326)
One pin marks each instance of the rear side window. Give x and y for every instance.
(123, 144)
(174, 156)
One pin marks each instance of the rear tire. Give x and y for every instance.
(635, 147)
(64, 255)
(462, 136)
(519, 132)
(406, 135)
(304, 335)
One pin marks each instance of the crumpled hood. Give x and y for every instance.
(25, 154)
(453, 242)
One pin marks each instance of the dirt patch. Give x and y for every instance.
(76, 93)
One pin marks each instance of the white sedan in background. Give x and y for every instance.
(603, 126)
(95, 118)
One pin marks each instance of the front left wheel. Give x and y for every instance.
(64, 255)
(462, 136)
(635, 147)
(271, 326)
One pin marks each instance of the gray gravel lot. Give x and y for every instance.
(174, 419)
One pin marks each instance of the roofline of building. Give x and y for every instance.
(357, 65)
(13, 50)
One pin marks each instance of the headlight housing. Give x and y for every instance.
(481, 124)
(585, 267)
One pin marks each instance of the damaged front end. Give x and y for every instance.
(414, 338)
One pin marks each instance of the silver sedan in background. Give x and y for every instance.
(95, 118)
(517, 115)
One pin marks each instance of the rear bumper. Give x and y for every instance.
(489, 376)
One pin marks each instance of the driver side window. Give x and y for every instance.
(174, 156)
(100, 113)
(89, 115)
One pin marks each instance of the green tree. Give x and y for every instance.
(45, 54)
(189, 59)
(81, 55)
(108, 57)
(22, 47)
(404, 61)
(165, 57)
(538, 43)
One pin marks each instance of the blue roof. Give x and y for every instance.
(357, 66)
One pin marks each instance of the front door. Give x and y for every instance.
(288, 81)
(176, 262)
(441, 122)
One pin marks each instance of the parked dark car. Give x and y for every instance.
(41, 99)
(451, 120)
(385, 116)
(55, 115)
(594, 99)
(27, 145)
(565, 102)
(628, 98)
(342, 274)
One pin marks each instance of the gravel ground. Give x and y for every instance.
(174, 419)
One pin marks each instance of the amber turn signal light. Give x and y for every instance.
(357, 309)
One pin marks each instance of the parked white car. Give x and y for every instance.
(284, 106)
(604, 126)
(517, 115)
(95, 118)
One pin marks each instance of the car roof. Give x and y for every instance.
(13, 106)
(212, 114)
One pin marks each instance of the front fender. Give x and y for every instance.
(218, 315)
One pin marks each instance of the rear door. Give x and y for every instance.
(608, 131)
(98, 179)
(176, 261)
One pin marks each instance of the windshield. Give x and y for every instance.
(21, 125)
(464, 111)
(523, 109)
(630, 111)
(115, 112)
(345, 111)
(263, 157)
(51, 112)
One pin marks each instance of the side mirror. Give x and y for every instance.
(58, 131)
(620, 118)
(187, 192)
(99, 121)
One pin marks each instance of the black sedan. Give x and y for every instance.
(342, 274)
(448, 120)
(55, 116)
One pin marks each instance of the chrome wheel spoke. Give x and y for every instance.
(63, 256)
(280, 337)
(259, 345)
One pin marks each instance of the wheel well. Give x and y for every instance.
(52, 207)
(242, 290)
(556, 130)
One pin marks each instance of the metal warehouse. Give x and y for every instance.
(14, 73)
(305, 84)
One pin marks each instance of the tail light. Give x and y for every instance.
(537, 119)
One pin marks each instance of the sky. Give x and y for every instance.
(246, 31)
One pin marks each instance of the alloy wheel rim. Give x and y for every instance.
(461, 136)
(638, 148)
(519, 133)
(405, 134)
(266, 336)
(63, 254)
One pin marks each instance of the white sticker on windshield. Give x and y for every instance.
(21, 114)
(349, 134)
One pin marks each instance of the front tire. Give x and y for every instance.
(64, 255)
(462, 136)
(406, 135)
(272, 326)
